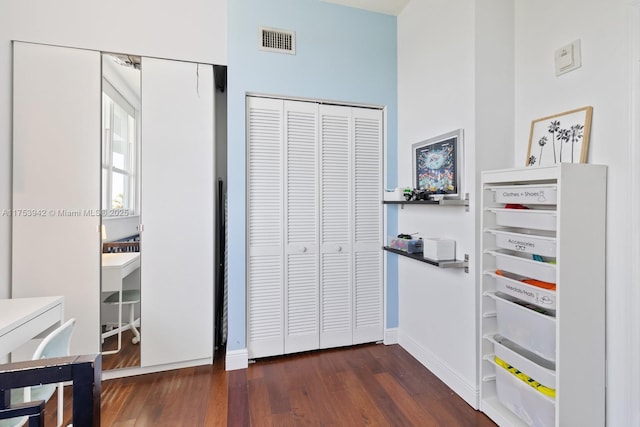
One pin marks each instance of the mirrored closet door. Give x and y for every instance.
(121, 296)
(113, 168)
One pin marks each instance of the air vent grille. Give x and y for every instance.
(274, 40)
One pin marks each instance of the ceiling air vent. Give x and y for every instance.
(274, 40)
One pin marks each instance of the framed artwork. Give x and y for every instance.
(438, 165)
(560, 138)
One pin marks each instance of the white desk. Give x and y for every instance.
(22, 319)
(115, 267)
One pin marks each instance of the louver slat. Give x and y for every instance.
(367, 180)
(265, 177)
(335, 178)
(301, 177)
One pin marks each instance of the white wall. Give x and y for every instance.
(455, 70)
(604, 82)
(193, 30)
(445, 68)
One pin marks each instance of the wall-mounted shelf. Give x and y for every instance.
(442, 202)
(441, 264)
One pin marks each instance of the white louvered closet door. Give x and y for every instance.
(367, 222)
(301, 227)
(265, 263)
(336, 308)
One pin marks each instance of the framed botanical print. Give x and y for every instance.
(560, 138)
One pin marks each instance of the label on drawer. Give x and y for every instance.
(530, 243)
(527, 194)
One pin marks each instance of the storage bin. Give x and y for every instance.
(524, 265)
(439, 249)
(538, 219)
(533, 407)
(528, 328)
(411, 246)
(538, 244)
(544, 298)
(541, 370)
(531, 194)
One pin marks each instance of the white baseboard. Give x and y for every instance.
(129, 372)
(441, 369)
(391, 336)
(237, 359)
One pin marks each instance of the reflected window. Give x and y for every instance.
(119, 150)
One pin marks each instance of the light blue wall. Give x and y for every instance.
(343, 54)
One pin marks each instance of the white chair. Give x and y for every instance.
(131, 298)
(56, 344)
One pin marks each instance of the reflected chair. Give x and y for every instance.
(56, 344)
(131, 298)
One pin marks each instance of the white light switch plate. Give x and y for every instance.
(568, 58)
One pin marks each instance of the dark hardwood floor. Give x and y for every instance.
(366, 385)
(128, 356)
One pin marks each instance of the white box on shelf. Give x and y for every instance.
(438, 249)
(528, 328)
(533, 407)
(524, 265)
(533, 194)
(539, 219)
(394, 195)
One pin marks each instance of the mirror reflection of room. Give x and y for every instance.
(120, 202)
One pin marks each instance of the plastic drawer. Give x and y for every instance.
(536, 367)
(541, 297)
(538, 219)
(523, 265)
(523, 242)
(526, 194)
(528, 328)
(534, 408)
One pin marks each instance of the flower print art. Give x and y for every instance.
(561, 138)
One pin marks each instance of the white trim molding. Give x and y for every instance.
(447, 374)
(134, 371)
(391, 336)
(237, 359)
(632, 389)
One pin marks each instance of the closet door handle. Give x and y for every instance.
(303, 249)
(338, 248)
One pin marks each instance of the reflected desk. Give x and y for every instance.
(22, 319)
(115, 267)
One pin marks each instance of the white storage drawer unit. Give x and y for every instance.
(553, 332)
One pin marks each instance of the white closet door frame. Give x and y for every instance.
(56, 182)
(265, 227)
(177, 171)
